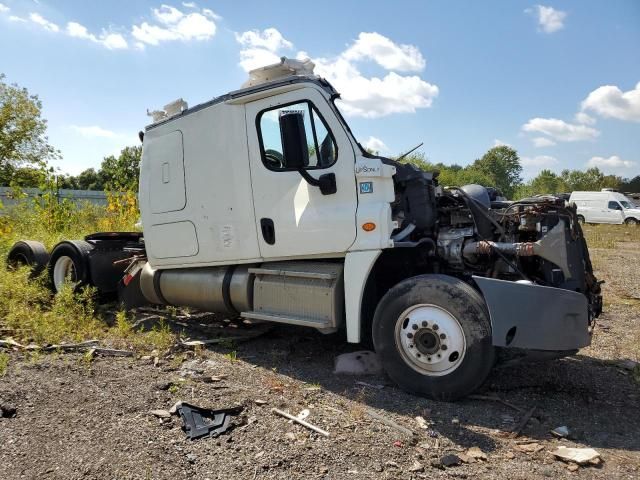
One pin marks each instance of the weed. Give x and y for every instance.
(173, 388)
(4, 363)
(232, 356)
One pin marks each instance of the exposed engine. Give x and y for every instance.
(536, 240)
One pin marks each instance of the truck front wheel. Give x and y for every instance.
(433, 336)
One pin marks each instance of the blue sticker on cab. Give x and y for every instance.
(366, 187)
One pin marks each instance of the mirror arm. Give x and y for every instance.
(310, 180)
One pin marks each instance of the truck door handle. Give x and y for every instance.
(268, 230)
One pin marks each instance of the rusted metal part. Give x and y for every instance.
(486, 247)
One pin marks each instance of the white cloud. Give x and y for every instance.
(612, 162)
(540, 161)
(260, 47)
(611, 102)
(74, 29)
(361, 95)
(189, 4)
(549, 19)
(4, 8)
(375, 144)
(14, 18)
(386, 53)
(560, 130)
(176, 25)
(585, 119)
(94, 131)
(270, 39)
(112, 41)
(542, 142)
(499, 143)
(43, 22)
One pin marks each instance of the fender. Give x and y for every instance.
(357, 267)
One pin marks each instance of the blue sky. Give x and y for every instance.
(559, 81)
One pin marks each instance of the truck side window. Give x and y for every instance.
(322, 146)
(614, 206)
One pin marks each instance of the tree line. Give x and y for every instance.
(26, 157)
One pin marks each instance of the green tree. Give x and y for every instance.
(502, 165)
(23, 140)
(122, 173)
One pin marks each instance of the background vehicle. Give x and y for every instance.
(261, 203)
(605, 207)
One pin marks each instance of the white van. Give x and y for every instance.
(605, 207)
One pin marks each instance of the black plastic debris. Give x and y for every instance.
(203, 422)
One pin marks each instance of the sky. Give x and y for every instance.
(558, 81)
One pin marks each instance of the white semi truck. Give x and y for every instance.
(261, 204)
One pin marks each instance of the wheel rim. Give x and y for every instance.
(631, 221)
(63, 270)
(430, 340)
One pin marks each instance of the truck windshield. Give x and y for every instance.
(625, 204)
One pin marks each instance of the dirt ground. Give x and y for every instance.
(90, 419)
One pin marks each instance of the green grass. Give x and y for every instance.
(608, 236)
(4, 363)
(30, 313)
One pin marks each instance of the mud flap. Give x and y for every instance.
(535, 317)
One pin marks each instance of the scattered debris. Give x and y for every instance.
(416, 467)
(422, 423)
(510, 455)
(627, 364)
(392, 464)
(532, 447)
(161, 413)
(358, 363)
(581, 456)
(455, 420)
(573, 467)
(450, 460)
(8, 411)
(201, 422)
(302, 415)
(523, 422)
(90, 345)
(370, 385)
(390, 423)
(258, 401)
(398, 444)
(476, 454)
(560, 432)
(301, 422)
(174, 410)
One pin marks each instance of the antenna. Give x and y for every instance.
(407, 153)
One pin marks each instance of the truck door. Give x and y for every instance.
(614, 212)
(293, 217)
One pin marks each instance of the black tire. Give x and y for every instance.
(458, 300)
(631, 221)
(580, 219)
(28, 252)
(76, 252)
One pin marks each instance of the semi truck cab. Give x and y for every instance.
(261, 204)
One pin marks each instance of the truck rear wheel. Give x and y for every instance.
(433, 336)
(28, 252)
(68, 264)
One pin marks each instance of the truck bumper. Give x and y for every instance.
(535, 317)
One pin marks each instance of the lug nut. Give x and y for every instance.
(424, 324)
(442, 336)
(435, 326)
(443, 347)
(409, 335)
(414, 326)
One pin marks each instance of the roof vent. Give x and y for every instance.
(287, 67)
(170, 110)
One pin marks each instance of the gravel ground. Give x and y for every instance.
(81, 419)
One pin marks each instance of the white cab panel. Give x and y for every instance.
(305, 221)
(218, 211)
